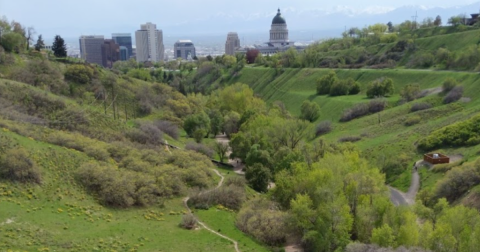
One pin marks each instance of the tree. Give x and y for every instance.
(438, 21)
(29, 36)
(324, 83)
(221, 149)
(410, 92)
(197, 123)
(455, 20)
(258, 177)
(309, 111)
(380, 87)
(59, 48)
(12, 42)
(40, 44)
(383, 236)
(252, 55)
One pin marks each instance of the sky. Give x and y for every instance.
(103, 17)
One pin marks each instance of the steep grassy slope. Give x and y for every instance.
(384, 135)
(296, 85)
(60, 214)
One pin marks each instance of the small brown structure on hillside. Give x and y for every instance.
(436, 158)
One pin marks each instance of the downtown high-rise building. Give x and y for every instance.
(91, 49)
(184, 49)
(124, 40)
(233, 42)
(110, 53)
(149, 43)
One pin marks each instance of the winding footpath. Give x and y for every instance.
(399, 198)
(185, 202)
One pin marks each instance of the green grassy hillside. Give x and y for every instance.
(384, 136)
(60, 135)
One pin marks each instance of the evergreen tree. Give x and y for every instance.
(59, 48)
(40, 44)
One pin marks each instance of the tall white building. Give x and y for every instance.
(232, 44)
(149, 42)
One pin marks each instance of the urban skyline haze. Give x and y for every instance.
(73, 19)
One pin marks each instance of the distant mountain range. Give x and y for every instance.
(314, 20)
(304, 25)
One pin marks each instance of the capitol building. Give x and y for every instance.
(279, 41)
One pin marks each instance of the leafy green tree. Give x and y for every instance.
(12, 42)
(141, 74)
(442, 239)
(339, 88)
(216, 121)
(59, 48)
(383, 236)
(309, 111)
(231, 123)
(258, 177)
(380, 87)
(257, 155)
(229, 61)
(197, 123)
(221, 149)
(410, 92)
(325, 83)
(449, 84)
(40, 44)
(79, 73)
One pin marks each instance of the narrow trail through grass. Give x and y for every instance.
(185, 202)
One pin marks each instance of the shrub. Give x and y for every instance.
(188, 222)
(449, 84)
(40, 73)
(422, 60)
(200, 148)
(263, 220)
(168, 128)
(412, 120)
(82, 74)
(457, 182)
(324, 83)
(380, 87)
(309, 111)
(454, 95)
(410, 92)
(16, 165)
(323, 128)
(466, 133)
(420, 106)
(350, 139)
(442, 168)
(339, 88)
(356, 111)
(231, 196)
(147, 134)
(354, 89)
(377, 105)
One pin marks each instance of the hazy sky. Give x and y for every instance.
(74, 18)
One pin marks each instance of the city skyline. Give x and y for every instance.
(218, 16)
